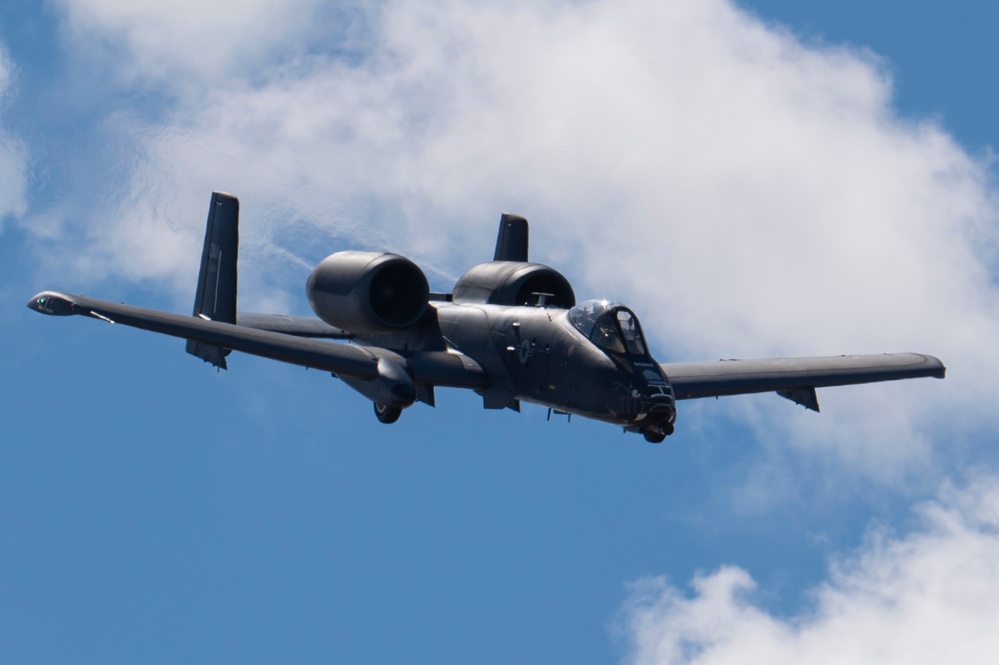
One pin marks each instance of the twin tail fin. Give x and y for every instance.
(215, 299)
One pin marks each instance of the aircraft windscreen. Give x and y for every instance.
(632, 333)
(609, 325)
(584, 315)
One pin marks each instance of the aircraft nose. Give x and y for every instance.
(661, 401)
(662, 404)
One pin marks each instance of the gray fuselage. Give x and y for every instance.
(536, 354)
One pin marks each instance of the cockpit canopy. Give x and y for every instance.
(609, 325)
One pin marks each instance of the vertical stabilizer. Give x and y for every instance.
(216, 296)
(511, 243)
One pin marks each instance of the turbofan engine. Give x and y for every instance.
(514, 283)
(368, 292)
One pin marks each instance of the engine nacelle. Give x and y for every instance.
(368, 292)
(514, 283)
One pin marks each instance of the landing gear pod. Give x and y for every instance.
(386, 413)
(391, 391)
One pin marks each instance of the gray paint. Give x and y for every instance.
(506, 333)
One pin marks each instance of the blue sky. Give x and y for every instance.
(764, 178)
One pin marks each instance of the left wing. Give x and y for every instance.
(795, 378)
(300, 326)
(439, 368)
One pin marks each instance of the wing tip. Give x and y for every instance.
(935, 367)
(53, 303)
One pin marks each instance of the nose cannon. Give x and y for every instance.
(661, 415)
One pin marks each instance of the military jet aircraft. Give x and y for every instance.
(510, 329)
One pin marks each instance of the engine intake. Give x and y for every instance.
(514, 283)
(368, 292)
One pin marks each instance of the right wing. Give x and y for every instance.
(795, 378)
(429, 367)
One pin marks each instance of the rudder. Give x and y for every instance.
(512, 239)
(215, 298)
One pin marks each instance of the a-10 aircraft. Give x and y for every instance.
(510, 329)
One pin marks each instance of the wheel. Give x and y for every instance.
(654, 436)
(387, 413)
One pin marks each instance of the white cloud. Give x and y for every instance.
(749, 195)
(13, 158)
(171, 42)
(931, 596)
